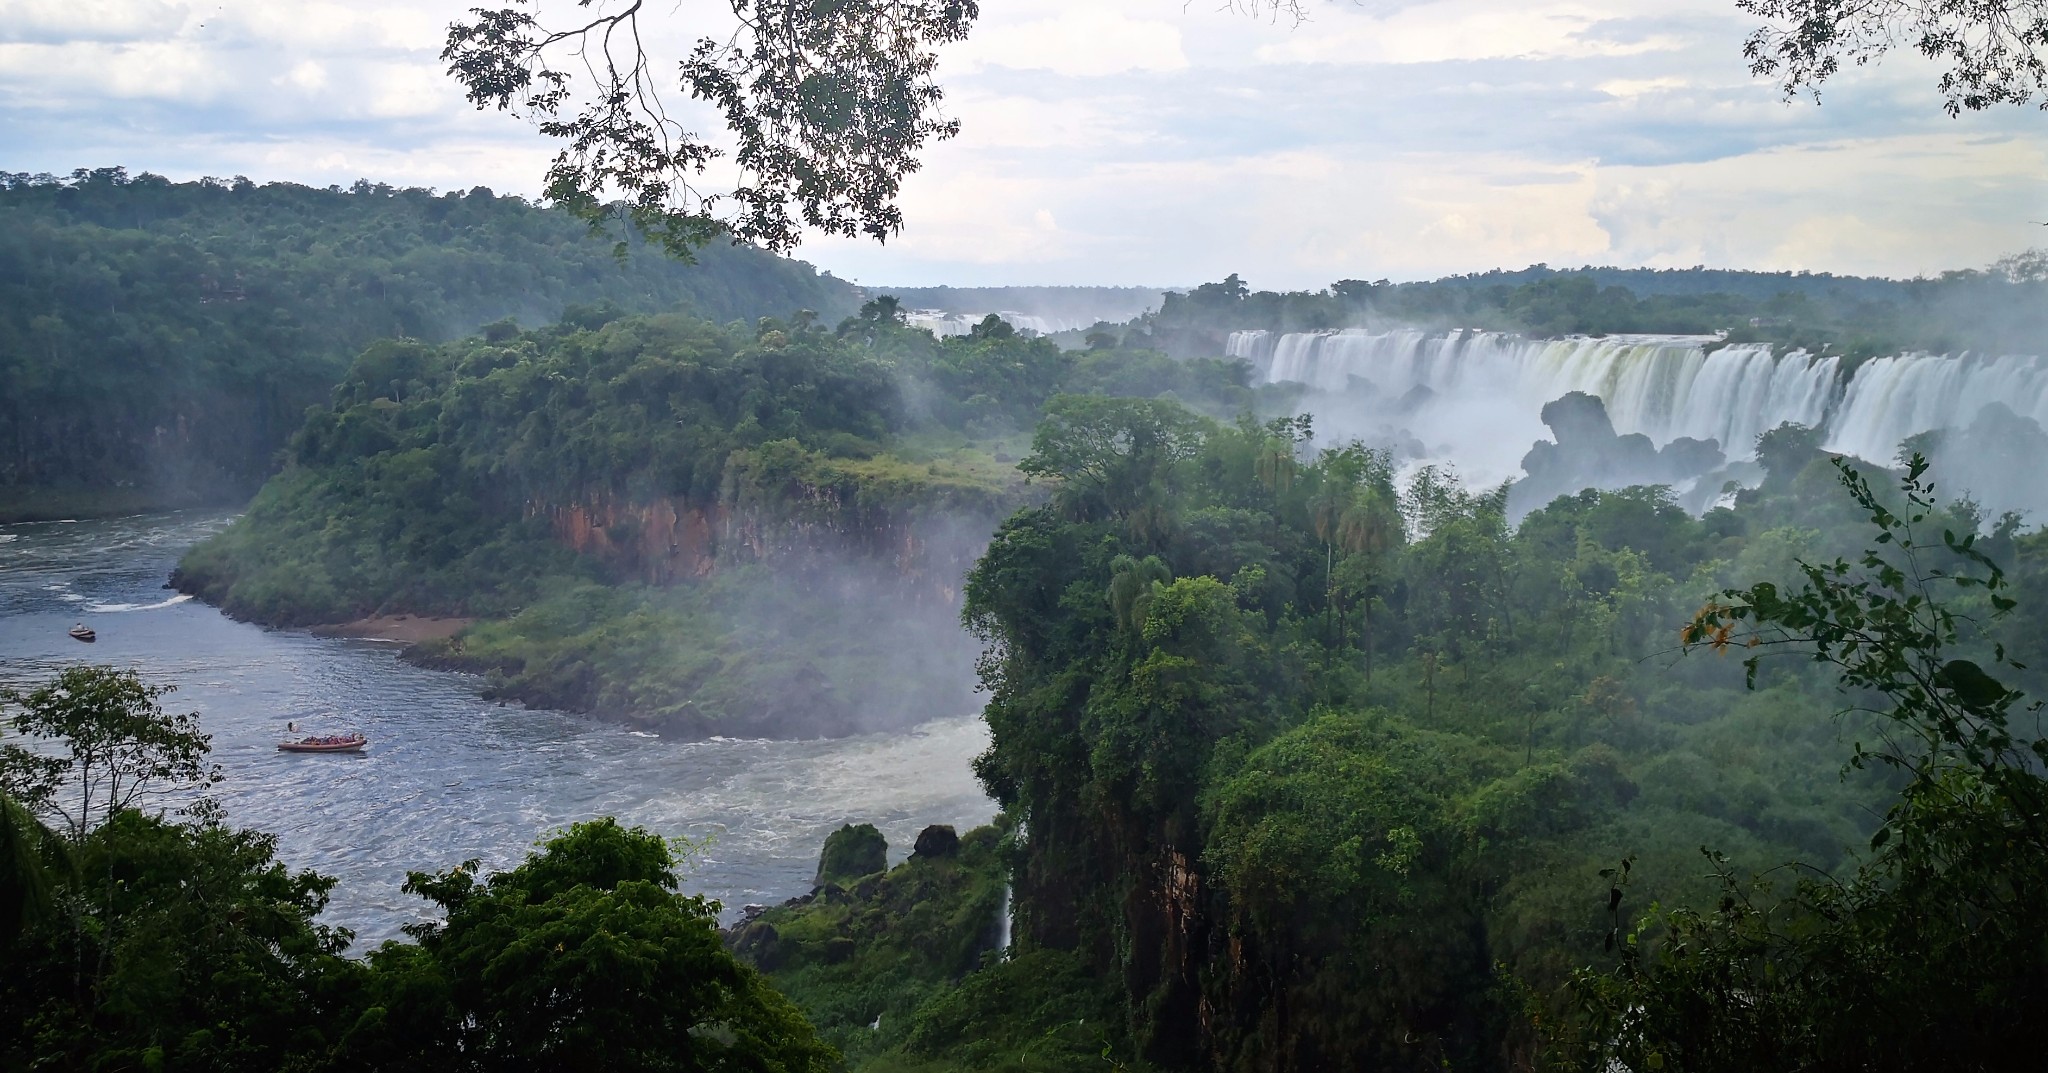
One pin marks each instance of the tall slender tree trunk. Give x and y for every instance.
(1329, 585)
(1365, 635)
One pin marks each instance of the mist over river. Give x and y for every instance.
(448, 775)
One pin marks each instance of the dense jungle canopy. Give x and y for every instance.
(164, 339)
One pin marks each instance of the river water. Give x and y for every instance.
(448, 776)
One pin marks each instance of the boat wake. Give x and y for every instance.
(107, 609)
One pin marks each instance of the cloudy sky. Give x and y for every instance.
(1150, 141)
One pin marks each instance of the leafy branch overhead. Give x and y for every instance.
(1991, 50)
(827, 103)
(1883, 627)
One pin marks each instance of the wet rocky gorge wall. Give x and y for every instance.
(670, 540)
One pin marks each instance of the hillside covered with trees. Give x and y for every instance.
(1440, 803)
(159, 341)
(1296, 810)
(707, 529)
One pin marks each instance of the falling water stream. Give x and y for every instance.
(448, 775)
(1475, 397)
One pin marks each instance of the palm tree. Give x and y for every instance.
(1274, 465)
(1132, 584)
(1370, 526)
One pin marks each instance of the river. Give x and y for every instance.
(448, 776)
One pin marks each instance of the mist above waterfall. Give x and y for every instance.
(949, 311)
(1476, 399)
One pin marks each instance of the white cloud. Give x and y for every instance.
(1084, 40)
(1464, 30)
(1018, 122)
(1902, 206)
(158, 70)
(453, 164)
(979, 219)
(1145, 141)
(89, 20)
(307, 75)
(1630, 88)
(407, 90)
(341, 27)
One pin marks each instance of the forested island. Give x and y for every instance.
(755, 529)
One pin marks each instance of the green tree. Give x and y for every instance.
(26, 847)
(181, 946)
(1111, 457)
(1349, 874)
(109, 747)
(582, 958)
(137, 942)
(1929, 954)
(1133, 585)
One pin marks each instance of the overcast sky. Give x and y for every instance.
(1150, 141)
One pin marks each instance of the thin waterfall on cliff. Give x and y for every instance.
(1476, 395)
(1003, 925)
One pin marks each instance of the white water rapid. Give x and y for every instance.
(943, 324)
(1474, 397)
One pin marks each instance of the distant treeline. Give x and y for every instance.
(2003, 308)
(166, 338)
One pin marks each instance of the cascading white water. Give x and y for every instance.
(944, 324)
(1663, 387)
(1251, 345)
(1003, 925)
(940, 323)
(1889, 399)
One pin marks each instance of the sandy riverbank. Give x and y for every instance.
(410, 629)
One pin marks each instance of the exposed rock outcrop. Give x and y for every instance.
(1589, 454)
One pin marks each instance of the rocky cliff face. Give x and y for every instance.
(668, 540)
(661, 542)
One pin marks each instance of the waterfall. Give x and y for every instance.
(1482, 391)
(941, 323)
(1003, 925)
(944, 324)
(1889, 399)
(1253, 346)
